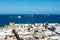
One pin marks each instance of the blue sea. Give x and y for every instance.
(5, 19)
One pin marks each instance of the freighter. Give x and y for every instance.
(37, 31)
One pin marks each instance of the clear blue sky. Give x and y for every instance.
(29, 6)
